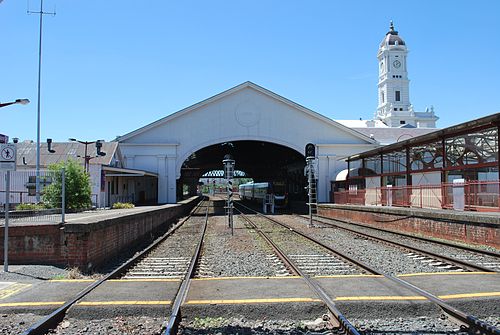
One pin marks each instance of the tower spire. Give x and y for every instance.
(391, 27)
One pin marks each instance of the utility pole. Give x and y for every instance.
(41, 13)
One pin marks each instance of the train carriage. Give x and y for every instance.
(258, 191)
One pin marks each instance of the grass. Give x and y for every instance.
(122, 205)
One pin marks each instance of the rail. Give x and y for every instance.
(463, 264)
(44, 325)
(183, 288)
(343, 321)
(476, 325)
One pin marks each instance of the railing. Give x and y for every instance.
(477, 196)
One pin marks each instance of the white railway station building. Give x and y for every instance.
(249, 112)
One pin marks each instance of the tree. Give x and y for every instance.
(78, 191)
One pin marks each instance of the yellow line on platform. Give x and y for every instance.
(250, 301)
(72, 280)
(235, 278)
(147, 280)
(350, 276)
(446, 273)
(124, 302)
(378, 298)
(470, 295)
(31, 304)
(13, 289)
(247, 301)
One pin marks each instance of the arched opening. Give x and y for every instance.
(259, 160)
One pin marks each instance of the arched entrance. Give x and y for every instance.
(251, 117)
(260, 160)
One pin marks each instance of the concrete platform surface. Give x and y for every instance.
(255, 296)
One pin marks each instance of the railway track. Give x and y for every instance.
(145, 264)
(297, 266)
(475, 325)
(464, 258)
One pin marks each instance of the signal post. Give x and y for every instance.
(229, 175)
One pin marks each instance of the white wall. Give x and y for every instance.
(245, 114)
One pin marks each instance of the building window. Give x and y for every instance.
(401, 109)
(395, 109)
(398, 95)
(402, 122)
(383, 97)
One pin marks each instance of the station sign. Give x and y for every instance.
(8, 155)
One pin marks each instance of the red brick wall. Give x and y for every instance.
(455, 230)
(86, 246)
(28, 244)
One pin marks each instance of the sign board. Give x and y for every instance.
(458, 194)
(8, 156)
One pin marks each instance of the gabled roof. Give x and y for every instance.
(247, 84)
(26, 153)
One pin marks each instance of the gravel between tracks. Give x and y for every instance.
(385, 258)
(244, 254)
(472, 257)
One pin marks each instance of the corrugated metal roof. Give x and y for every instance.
(63, 152)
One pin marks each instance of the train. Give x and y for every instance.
(258, 191)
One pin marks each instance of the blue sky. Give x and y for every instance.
(110, 67)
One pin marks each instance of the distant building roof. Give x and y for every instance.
(63, 152)
(390, 135)
(363, 123)
(392, 37)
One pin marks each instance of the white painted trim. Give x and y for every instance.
(230, 91)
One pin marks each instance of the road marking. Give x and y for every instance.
(446, 273)
(247, 301)
(384, 297)
(250, 301)
(13, 289)
(147, 280)
(470, 295)
(72, 280)
(350, 276)
(229, 278)
(124, 302)
(31, 304)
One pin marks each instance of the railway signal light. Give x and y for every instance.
(310, 150)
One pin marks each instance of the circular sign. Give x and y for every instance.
(7, 154)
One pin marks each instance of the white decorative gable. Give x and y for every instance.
(245, 112)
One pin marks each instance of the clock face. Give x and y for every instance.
(397, 64)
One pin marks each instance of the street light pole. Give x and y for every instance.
(87, 158)
(41, 12)
(18, 101)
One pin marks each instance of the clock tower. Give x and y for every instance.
(394, 108)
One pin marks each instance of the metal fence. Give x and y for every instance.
(476, 196)
(23, 202)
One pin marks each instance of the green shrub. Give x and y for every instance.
(122, 205)
(29, 207)
(77, 186)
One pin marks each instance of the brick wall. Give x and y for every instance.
(448, 225)
(30, 243)
(87, 245)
